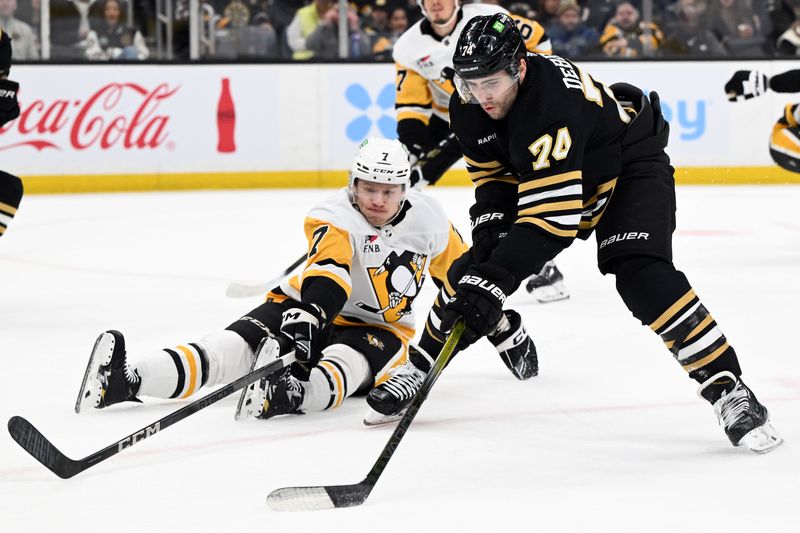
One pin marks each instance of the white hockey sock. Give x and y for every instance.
(340, 373)
(179, 372)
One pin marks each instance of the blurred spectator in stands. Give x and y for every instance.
(305, 21)
(22, 36)
(547, 11)
(113, 38)
(413, 10)
(383, 42)
(597, 13)
(377, 22)
(245, 30)
(70, 22)
(324, 40)
(522, 9)
(281, 14)
(626, 35)
(737, 27)
(789, 41)
(29, 11)
(689, 33)
(785, 33)
(570, 37)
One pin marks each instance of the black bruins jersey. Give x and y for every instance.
(554, 159)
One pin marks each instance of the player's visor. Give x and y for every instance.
(482, 90)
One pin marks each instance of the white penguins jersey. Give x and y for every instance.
(424, 62)
(381, 269)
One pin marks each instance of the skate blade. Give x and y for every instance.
(90, 392)
(763, 439)
(374, 418)
(550, 293)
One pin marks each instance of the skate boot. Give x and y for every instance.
(389, 400)
(547, 285)
(745, 420)
(108, 378)
(516, 347)
(276, 394)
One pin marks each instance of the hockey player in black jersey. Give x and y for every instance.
(10, 186)
(784, 142)
(563, 156)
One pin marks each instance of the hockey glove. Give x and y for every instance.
(490, 223)
(746, 84)
(9, 108)
(301, 324)
(479, 300)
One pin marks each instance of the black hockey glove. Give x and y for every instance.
(301, 323)
(746, 84)
(490, 223)
(9, 107)
(479, 299)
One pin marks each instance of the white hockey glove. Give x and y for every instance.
(746, 84)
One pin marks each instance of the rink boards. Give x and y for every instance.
(143, 127)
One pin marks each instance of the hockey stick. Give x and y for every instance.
(243, 290)
(36, 444)
(333, 496)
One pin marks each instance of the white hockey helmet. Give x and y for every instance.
(381, 161)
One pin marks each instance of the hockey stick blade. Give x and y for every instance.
(36, 444)
(318, 498)
(32, 441)
(245, 290)
(336, 496)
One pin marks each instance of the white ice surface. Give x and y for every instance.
(610, 436)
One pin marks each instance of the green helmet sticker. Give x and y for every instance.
(498, 26)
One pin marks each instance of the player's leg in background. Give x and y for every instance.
(10, 198)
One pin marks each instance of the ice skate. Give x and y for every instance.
(547, 285)
(745, 420)
(108, 378)
(389, 400)
(516, 347)
(272, 395)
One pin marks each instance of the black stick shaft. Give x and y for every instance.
(33, 442)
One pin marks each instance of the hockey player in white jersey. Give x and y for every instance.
(424, 62)
(349, 315)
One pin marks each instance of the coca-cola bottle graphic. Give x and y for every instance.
(226, 120)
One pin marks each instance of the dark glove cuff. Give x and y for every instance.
(485, 277)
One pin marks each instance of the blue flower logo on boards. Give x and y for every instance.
(358, 129)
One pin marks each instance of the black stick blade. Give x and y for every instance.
(33, 442)
(318, 498)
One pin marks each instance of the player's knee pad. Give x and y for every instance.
(229, 356)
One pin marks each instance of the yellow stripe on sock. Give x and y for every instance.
(192, 370)
(338, 379)
(674, 308)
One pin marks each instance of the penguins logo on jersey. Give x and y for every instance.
(395, 284)
(375, 341)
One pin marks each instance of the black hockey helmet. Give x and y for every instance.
(488, 44)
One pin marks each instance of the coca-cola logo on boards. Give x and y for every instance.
(124, 115)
